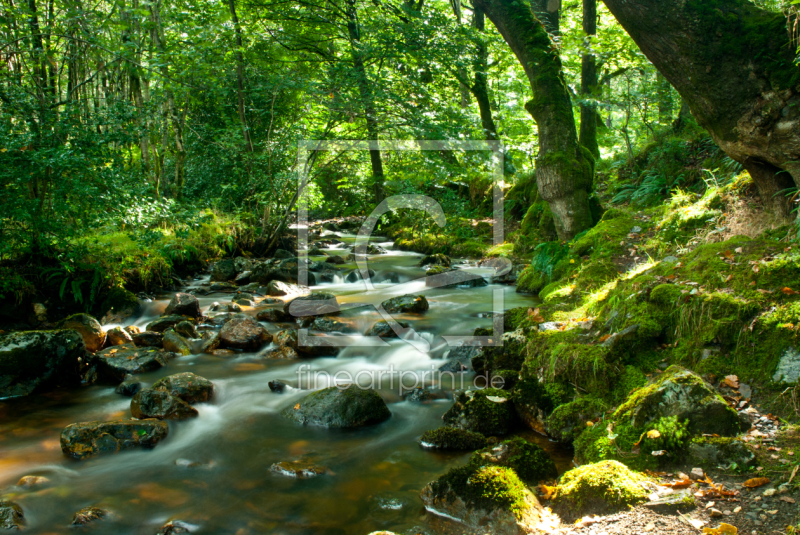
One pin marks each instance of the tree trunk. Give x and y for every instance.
(240, 76)
(564, 170)
(548, 12)
(588, 133)
(367, 100)
(733, 64)
(480, 88)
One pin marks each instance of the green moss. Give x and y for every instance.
(487, 488)
(529, 461)
(452, 438)
(604, 487)
(475, 411)
(631, 379)
(569, 420)
(119, 300)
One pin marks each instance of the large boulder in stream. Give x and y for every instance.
(183, 304)
(684, 394)
(38, 361)
(279, 288)
(316, 304)
(150, 403)
(243, 332)
(116, 362)
(350, 406)
(85, 439)
(89, 328)
(312, 346)
(118, 336)
(406, 304)
(187, 386)
(148, 339)
(224, 270)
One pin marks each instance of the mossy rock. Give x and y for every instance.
(711, 452)
(532, 403)
(681, 393)
(597, 489)
(452, 438)
(508, 356)
(569, 420)
(488, 411)
(38, 361)
(120, 302)
(89, 328)
(528, 460)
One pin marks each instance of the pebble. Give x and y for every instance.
(769, 492)
(714, 513)
(738, 509)
(697, 473)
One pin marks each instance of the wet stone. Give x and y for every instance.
(11, 516)
(87, 515)
(301, 469)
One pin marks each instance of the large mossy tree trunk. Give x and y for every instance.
(480, 87)
(588, 132)
(732, 62)
(564, 169)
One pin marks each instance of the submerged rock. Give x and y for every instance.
(245, 333)
(358, 275)
(117, 362)
(187, 386)
(11, 516)
(452, 438)
(82, 440)
(32, 481)
(150, 403)
(183, 304)
(177, 527)
(600, 488)
(38, 361)
(298, 468)
(87, 515)
(488, 411)
(277, 386)
(350, 406)
(89, 328)
(406, 304)
(384, 329)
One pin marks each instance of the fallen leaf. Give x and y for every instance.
(297, 407)
(682, 484)
(729, 278)
(604, 338)
(787, 499)
(723, 529)
(794, 473)
(535, 316)
(738, 250)
(755, 482)
(545, 491)
(728, 255)
(789, 291)
(653, 433)
(732, 381)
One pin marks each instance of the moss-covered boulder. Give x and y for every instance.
(243, 332)
(489, 498)
(488, 411)
(118, 305)
(350, 406)
(315, 304)
(434, 260)
(406, 304)
(508, 356)
(114, 363)
(452, 438)
(38, 361)
(596, 489)
(86, 439)
(89, 328)
(150, 403)
(569, 420)
(187, 386)
(176, 343)
(186, 329)
(224, 270)
(528, 460)
(681, 393)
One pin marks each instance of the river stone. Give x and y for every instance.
(210, 344)
(176, 343)
(682, 393)
(384, 330)
(315, 346)
(186, 329)
(316, 304)
(11, 516)
(243, 278)
(177, 527)
(281, 352)
(358, 275)
(148, 339)
(85, 439)
(164, 322)
(129, 386)
(32, 481)
(406, 304)
(89, 328)
(150, 403)
(327, 325)
(118, 336)
(245, 333)
(441, 277)
(282, 254)
(187, 386)
(286, 338)
(118, 361)
(274, 315)
(488, 411)
(788, 370)
(335, 259)
(224, 270)
(223, 287)
(350, 406)
(467, 495)
(387, 276)
(183, 304)
(279, 288)
(437, 259)
(460, 359)
(88, 515)
(299, 468)
(38, 361)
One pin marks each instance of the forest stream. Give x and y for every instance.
(214, 471)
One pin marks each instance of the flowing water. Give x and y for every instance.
(214, 471)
